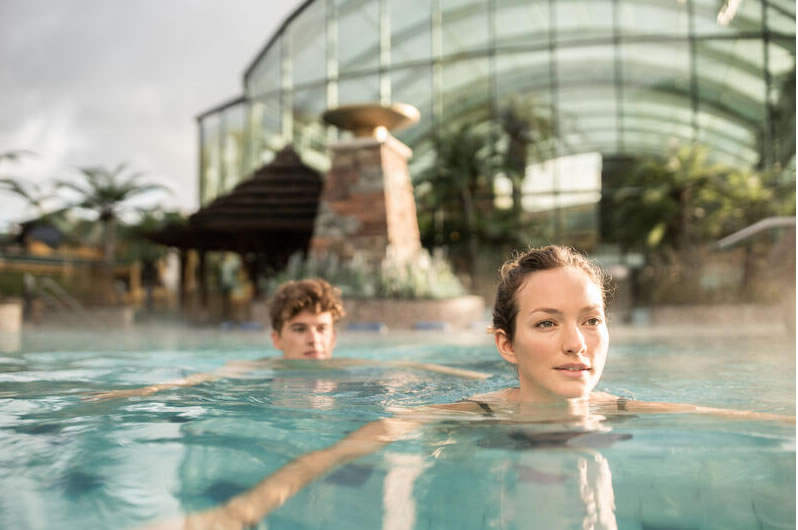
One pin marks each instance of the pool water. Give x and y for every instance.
(66, 463)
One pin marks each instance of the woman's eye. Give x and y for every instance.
(545, 324)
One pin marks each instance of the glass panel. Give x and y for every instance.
(591, 64)
(713, 17)
(781, 20)
(652, 18)
(583, 19)
(464, 26)
(233, 154)
(266, 130)
(781, 63)
(358, 35)
(264, 136)
(730, 76)
(410, 31)
(583, 109)
(265, 76)
(719, 129)
(413, 85)
(210, 162)
(521, 72)
(308, 44)
(363, 89)
(522, 23)
(523, 82)
(466, 96)
(310, 133)
(665, 66)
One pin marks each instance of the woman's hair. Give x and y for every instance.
(515, 270)
(314, 295)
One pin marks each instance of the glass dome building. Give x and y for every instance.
(615, 78)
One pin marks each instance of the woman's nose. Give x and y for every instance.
(573, 340)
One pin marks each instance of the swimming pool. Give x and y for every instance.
(71, 464)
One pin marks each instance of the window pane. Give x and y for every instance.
(310, 133)
(662, 66)
(583, 19)
(362, 89)
(652, 18)
(358, 35)
(522, 72)
(413, 85)
(731, 77)
(464, 26)
(308, 44)
(466, 91)
(781, 20)
(233, 147)
(210, 163)
(410, 31)
(522, 23)
(265, 76)
(586, 64)
(747, 17)
(266, 137)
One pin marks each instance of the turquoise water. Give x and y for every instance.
(71, 464)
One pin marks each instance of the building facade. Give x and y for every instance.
(614, 78)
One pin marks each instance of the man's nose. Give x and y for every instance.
(314, 335)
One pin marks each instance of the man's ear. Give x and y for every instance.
(505, 346)
(276, 342)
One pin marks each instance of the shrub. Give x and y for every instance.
(425, 276)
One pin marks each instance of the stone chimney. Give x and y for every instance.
(367, 202)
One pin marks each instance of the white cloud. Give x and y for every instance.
(100, 82)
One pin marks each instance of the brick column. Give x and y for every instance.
(367, 202)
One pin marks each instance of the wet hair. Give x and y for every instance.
(314, 295)
(515, 271)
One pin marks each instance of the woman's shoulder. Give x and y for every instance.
(499, 396)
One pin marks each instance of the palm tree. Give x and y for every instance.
(104, 191)
(454, 181)
(664, 197)
(35, 195)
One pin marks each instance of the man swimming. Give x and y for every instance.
(303, 315)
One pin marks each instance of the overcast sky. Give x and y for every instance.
(100, 82)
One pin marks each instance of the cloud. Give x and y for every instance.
(99, 82)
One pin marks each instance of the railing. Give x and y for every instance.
(752, 230)
(60, 300)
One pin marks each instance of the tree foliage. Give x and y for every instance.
(671, 205)
(455, 194)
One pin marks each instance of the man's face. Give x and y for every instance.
(306, 336)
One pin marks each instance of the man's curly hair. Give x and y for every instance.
(314, 295)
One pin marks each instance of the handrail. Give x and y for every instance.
(61, 298)
(749, 231)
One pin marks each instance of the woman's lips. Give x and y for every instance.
(573, 370)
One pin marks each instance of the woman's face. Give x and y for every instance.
(561, 339)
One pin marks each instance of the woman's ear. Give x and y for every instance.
(505, 346)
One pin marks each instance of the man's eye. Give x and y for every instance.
(595, 321)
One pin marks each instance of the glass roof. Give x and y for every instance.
(617, 76)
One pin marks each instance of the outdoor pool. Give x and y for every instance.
(72, 464)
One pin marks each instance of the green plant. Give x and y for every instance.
(426, 276)
(104, 192)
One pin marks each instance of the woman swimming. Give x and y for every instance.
(549, 321)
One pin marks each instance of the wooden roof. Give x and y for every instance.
(273, 211)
